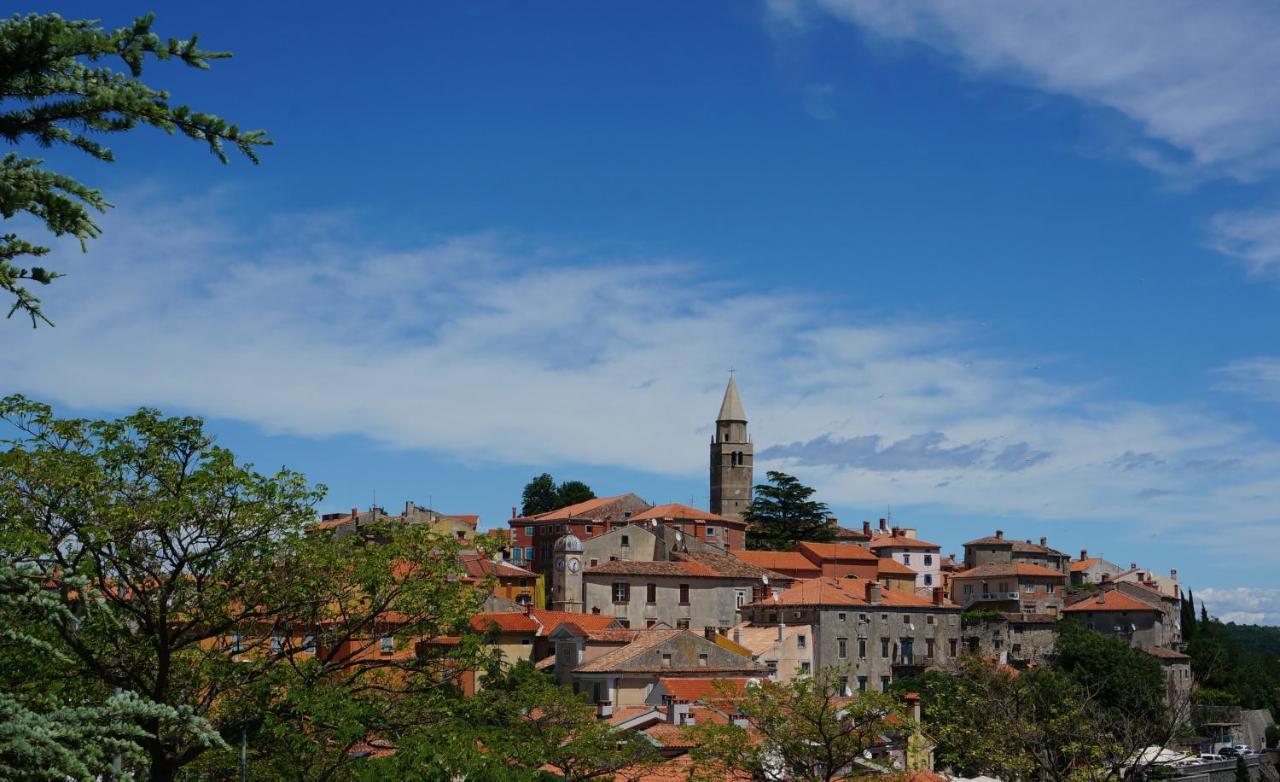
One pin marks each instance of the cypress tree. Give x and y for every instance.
(1188, 616)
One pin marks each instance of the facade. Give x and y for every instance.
(1091, 570)
(510, 582)
(731, 458)
(921, 556)
(1165, 585)
(1010, 588)
(721, 532)
(1112, 612)
(1018, 639)
(1177, 678)
(868, 633)
(998, 550)
(895, 575)
(786, 651)
(532, 537)
(340, 525)
(692, 590)
(626, 676)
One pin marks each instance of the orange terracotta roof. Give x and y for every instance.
(1009, 569)
(1110, 601)
(590, 623)
(899, 541)
(648, 640)
(702, 689)
(577, 509)
(504, 622)
(479, 566)
(676, 511)
(664, 734)
(703, 564)
(470, 520)
(1078, 565)
(895, 567)
(836, 552)
(847, 592)
(779, 561)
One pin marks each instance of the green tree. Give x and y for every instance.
(1118, 677)
(783, 514)
(218, 604)
(804, 730)
(1188, 616)
(573, 492)
(542, 494)
(57, 92)
(539, 496)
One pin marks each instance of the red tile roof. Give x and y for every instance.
(899, 541)
(577, 509)
(1009, 569)
(590, 623)
(648, 639)
(676, 511)
(836, 552)
(1078, 565)
(779, 560)
(504, 622)
(1110, 601)
(847, 592)
(686, 565)
(702, 689)
(887, 565)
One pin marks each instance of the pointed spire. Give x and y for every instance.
(731, 407)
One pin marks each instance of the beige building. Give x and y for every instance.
(1091, 570)
(1010, 587)
(999, 550)
(786, 651)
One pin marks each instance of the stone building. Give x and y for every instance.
(1016, 638)
(786, 651)
(532, 537)
(1091, 570)
(868, 633)
(997, 549)
(722, 532)
(1112, 612)
(1178, 682)
(731, 457)
(1010, 587)
(340, 525)
(921, 556)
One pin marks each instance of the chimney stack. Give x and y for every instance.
(709, 633)
(873, 593)
(1102, 598)
(897, 532)
(1133, 565)
(354, 512)
(737, 635)
(1044, 541)
(513, 511)
(1106, 577)
(866, 528)
(938, 596)
(1173, 574)
(1084, 554)
(884, 524)
(999, 534)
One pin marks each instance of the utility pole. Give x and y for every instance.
(244, 754)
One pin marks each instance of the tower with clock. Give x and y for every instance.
(566, 576)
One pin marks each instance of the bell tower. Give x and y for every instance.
(731, 477)
(566, 578)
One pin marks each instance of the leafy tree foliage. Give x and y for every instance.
(56, 92)
(804, 730)
(209, 598)
(1240, 660)
(1118, 677)
(542, 494)
(783, 514)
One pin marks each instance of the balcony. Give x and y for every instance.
(604, 710)
(992, 597)
(916, 661)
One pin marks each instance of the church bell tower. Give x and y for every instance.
(731, 477)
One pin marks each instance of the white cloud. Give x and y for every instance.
(1196, 79)
(1252, 237)
(484, 347)
(1243, 605)
(1257, 377)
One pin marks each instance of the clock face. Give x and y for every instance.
(559, 564)
(573, 566)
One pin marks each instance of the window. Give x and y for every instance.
(387, 644)
(651, 593)
(906, 619)
(928, 579)
(528, 552)
(884, 647)
(621, 592)
(702, 660)
(595, 562)
(884, 683)
(951, 647)
(741, 598)
(772, 665)
(862, 684)
(528, 531)
(525, 642)
(590, 529)
(928, 619)
(906, 559)
(928, 647)
(928, 559)
(626, 623)
(277, 644)
(711, 532)
(805, 668)
(864, 617)
(968, 589)
(626, 541)
(1016, 649)
(684, 594)
(795, 614)
(309, 643)
(650, 622)
(862, 648)
(801, 641)
(1050, 588)
(842, 648)
(682, 624)
(842, 616)
(234, 644)
(524, 582)
(844, 686)
(666, 661)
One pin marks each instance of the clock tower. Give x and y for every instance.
(731, 456)
(566, 575)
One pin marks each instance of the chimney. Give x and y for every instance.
(737, 635)
(1084, 554)
(866, 528)
(1102, 598)
(1106, 577)
(1000, 534)
(873, 593)
(1173, 574)
(1133, 565)
(1044, 541)
(938, 596)
(709, 633)
(513, 511)
(782, 632)
(897, 532)
(833, 521)
(913, 702)
(884, 524)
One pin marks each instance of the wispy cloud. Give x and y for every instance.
(1256, 377)
(1243, 605)
(1252, 237)
(487, 347)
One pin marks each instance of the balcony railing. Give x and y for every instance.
(914, 660)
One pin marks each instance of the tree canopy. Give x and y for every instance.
(56, 92)
(541, 494)
(783, 514)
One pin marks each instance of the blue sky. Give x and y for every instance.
(994, 265)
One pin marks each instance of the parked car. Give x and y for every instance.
(1229, 752)
(1209, 757)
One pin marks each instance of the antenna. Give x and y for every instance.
(731, 371)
